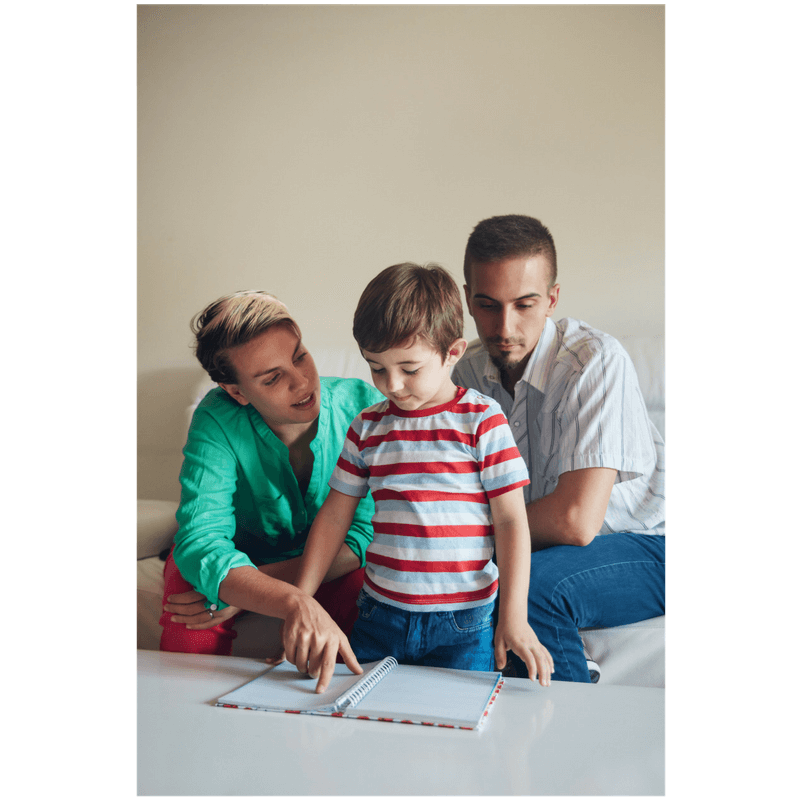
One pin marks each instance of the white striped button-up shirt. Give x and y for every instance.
(578, 405)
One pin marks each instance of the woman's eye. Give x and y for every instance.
(301, 356)
(376, 371)
(410, 371)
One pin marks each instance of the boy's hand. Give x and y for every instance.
(523, 641)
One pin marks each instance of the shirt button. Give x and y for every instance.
(213, 607)
(516, 424)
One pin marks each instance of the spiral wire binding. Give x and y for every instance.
(359, 690)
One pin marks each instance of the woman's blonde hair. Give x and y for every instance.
(232, 321)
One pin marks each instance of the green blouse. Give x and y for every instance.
(241, 504)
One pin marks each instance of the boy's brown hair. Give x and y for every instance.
(407, 301)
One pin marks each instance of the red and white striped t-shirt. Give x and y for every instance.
(431, 473)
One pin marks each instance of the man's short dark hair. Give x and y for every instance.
(509, 236)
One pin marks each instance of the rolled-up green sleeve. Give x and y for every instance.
(204, 548)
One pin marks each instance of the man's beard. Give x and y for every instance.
(505, 365)
(504, 362)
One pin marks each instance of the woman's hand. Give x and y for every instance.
(189, 608)
(312, 640)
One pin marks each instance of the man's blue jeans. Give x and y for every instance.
(615, 580)
(455, 639)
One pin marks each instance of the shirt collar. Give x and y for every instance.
(537, 368)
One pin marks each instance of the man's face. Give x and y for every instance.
(510, 301)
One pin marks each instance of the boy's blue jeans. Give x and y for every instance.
(615, 580)
(454, 639)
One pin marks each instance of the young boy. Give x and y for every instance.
(447, 479)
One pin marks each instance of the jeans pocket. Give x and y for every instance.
(366, 605)
(472, 619)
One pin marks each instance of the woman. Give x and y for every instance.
(259, 453)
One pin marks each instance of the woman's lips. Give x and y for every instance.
(305, 403)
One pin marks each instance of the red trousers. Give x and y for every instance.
(337, 597)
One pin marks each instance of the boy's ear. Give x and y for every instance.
(455, 351)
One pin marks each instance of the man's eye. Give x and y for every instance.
(272, 381)
(411, 371)
(301, 356)
(376, 371)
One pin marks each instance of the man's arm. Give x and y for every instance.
(573, 513)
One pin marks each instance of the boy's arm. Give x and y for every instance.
(326, 540)
(513, 547)
(344, 561)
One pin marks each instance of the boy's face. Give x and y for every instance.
(413, 375)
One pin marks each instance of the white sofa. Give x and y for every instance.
(631, 655)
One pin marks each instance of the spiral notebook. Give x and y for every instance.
(387, 691)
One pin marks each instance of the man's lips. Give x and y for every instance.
(505, 347)
(305, 402)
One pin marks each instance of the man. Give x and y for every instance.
(595, 504)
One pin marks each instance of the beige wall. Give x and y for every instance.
(301, 149)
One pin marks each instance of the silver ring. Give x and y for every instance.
(211, 614)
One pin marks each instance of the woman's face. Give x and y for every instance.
(277, 375)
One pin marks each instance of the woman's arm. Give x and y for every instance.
(190, 607)
(311, 639)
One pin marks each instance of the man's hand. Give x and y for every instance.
(189, 608)
(311, 641)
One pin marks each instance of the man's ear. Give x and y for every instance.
(233, 390)
(455, 351)
(552, 296)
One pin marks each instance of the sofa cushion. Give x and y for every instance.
(156, 526)
(647, 354)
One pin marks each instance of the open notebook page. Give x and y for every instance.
(284, 687)
(429, 693)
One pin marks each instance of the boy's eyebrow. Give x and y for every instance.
(272, 369)
(522, 297)
(410, 361)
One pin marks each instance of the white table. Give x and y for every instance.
(568, 739)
